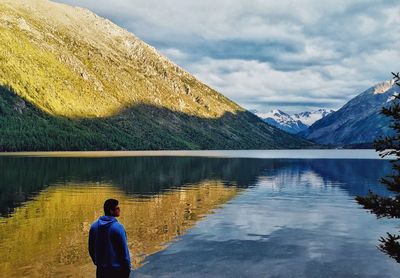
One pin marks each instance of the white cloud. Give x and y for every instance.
(257, 85)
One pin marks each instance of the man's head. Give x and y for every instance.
(111, 208)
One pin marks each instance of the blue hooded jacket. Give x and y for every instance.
(108, 247)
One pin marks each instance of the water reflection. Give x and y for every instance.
(48, 236)
(290, 214)
(22, 177)
(296, 222)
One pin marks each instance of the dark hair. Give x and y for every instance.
(109, 204)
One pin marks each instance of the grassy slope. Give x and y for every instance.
(73, 81)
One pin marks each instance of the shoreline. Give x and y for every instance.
(260, 154)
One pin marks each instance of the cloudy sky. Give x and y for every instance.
(292, 55)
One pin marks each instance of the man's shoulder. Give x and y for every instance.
(116, 226)
(94, 225)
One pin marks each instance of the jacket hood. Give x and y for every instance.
(106, 221)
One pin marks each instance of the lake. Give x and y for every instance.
(197, 214)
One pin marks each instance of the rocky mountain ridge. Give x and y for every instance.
(359, 121)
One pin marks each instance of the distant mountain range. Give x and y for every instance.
(359, 121)
(357, 124)
(294, 123)
(71, 80)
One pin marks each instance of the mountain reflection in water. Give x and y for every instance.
(47, 205)
(22, 177)
(48, 236)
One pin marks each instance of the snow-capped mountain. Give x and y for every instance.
(292, 123)
(308, 118)
(282, 121)
(359, 121)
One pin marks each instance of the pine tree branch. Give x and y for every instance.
(391, 246)
(381, 206)
(396, 77)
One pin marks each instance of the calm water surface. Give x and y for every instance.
(197, 216)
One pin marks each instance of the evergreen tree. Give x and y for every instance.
(388, 206)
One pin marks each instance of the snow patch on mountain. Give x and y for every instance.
(278, 115)
(308, 118)
(382, 88)
(390, 98)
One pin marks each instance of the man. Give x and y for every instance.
(107, 244)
